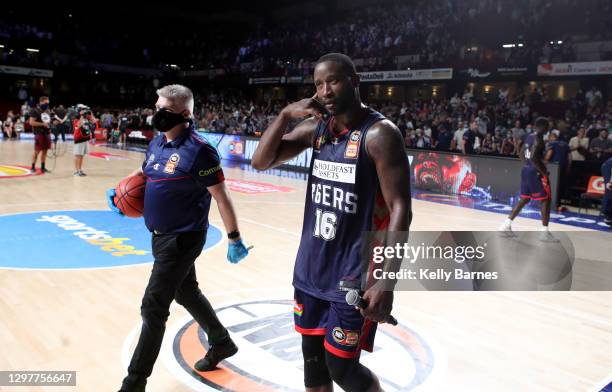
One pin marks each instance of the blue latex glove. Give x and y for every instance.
(110, 195)
(236, 251)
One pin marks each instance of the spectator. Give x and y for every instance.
(579, 145)
(60, 123)
(601, 147)
(487, 146)
(457, 141)
(444, 139)
(421, 140)
(469, 137)
(8, 126)
(508, 148)
(518, 135)
(593, 97)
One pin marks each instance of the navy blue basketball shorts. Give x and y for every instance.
(533, 185)
(346, 331)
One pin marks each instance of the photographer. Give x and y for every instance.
(83, 131)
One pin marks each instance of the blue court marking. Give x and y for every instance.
(77, 239)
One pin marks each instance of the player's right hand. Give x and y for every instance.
(306, 107)
(110, 200)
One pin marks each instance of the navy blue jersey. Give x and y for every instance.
(531, 142)
(178, 174)
(343, 202)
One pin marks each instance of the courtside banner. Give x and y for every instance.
(241, 149)
(574, 69)
(487, 261)
(416, 74)
(482, 177)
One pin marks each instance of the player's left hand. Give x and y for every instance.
(236, 251)
(380, 303)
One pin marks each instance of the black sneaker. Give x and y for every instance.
(45, 171)
(216, 353)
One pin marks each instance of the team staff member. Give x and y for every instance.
(359, 181)
(183, 172)
(40, 121)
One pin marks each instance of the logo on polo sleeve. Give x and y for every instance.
(208, 172)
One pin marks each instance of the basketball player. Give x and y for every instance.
(535, 183)
(359, 181)
(182, 171)
(40, 120)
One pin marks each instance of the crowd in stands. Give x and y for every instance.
(461, 123)
(497, 128)
(439, 33)
(500, 128)
(434, 33)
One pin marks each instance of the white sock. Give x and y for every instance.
(544, 228)
(508, 222)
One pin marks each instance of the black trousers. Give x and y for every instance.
(173, 278)
(59, 130)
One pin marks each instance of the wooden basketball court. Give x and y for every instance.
(87, 319)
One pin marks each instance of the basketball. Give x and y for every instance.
(130, 195)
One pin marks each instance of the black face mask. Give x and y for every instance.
(163, 120)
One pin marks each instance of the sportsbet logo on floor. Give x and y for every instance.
(93, 236)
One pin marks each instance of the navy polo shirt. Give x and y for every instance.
(561, 152)
(178, 174)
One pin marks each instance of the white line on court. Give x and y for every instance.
(572, 313)
(285, 231)
(47, 203)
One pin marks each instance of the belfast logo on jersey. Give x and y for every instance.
(76, 239)
(334, 171)
(270, 357)
(172, 163)
(352, 147)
